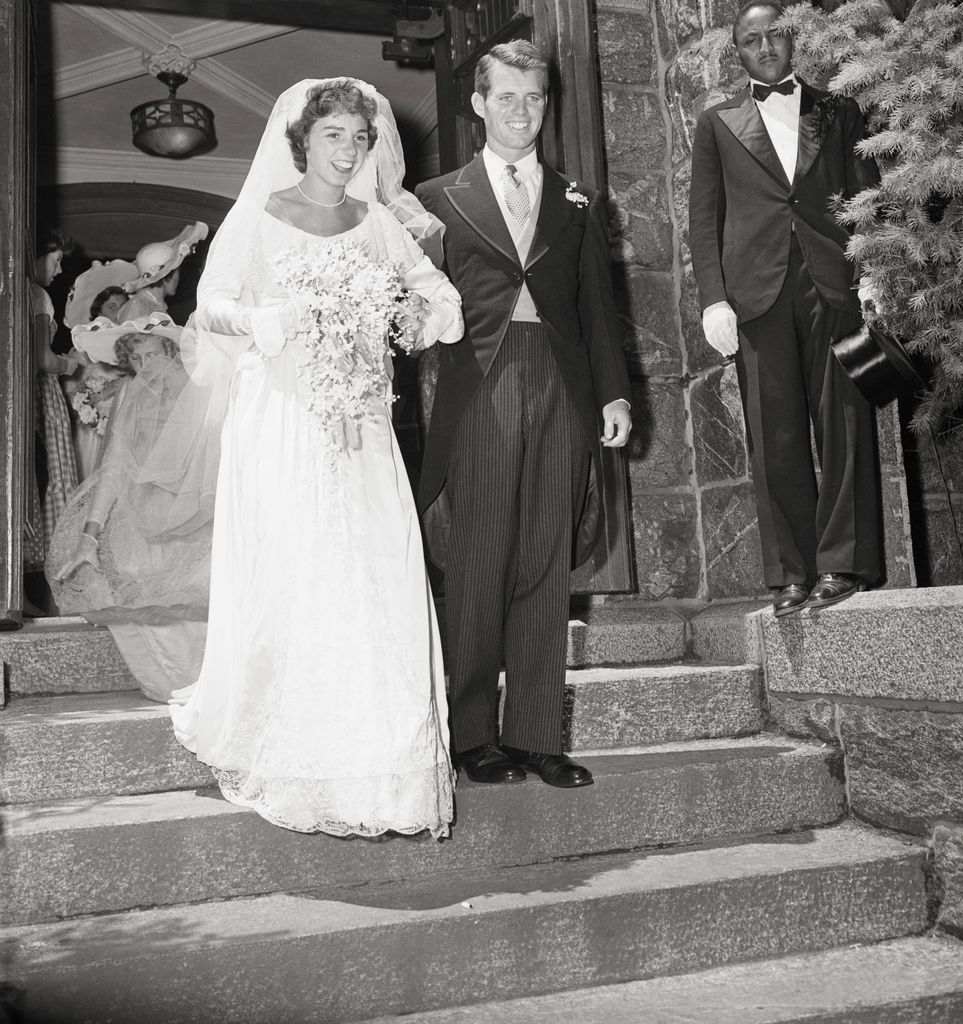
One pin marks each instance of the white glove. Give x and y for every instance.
(295, 316)
(720, 329)
(85, 553)
(868, 295)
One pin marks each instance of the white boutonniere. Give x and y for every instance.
(573, 195)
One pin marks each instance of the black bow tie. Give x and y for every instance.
(763, 92)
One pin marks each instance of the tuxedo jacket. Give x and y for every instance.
(743, 208)
(569, 277)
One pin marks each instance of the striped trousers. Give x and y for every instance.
(516, 484)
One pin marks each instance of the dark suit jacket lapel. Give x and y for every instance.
(554, 214)
(745, 122)
(810, 141)
(473, 199)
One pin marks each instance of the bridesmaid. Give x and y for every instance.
(157, 273)
(57, 465)
(96, 292)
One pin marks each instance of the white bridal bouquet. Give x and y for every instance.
(350, 302)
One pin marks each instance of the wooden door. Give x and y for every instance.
(571, 141)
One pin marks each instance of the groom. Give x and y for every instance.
(523, 403)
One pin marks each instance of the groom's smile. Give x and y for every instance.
(512, 109)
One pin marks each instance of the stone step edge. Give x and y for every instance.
(119, 741)
(22, 706)
(22, 703)
(399, 948)
(105, 855)
(888, 976)
(89, 812)
(492, 890)
(606, 636)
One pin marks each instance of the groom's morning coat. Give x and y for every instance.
(568, 275)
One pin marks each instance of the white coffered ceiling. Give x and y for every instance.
(92, 74)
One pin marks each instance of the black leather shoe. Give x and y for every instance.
(489, 763)
(555, 769)
(833, 587)
(789, 599)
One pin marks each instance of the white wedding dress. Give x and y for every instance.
(321, 700)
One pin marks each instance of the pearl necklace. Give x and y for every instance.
(316, 202)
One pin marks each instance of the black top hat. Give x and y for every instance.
(878, 364)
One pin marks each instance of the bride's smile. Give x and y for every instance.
(335, 149)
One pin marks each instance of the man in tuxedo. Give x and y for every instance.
(776, 288)
(522, 405)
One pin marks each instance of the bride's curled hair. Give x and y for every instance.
(340, 96)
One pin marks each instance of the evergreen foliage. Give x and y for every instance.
(907, 76)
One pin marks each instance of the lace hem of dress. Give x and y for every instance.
(305, 805)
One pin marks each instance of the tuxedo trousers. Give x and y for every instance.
(789, 378)
(516, 484)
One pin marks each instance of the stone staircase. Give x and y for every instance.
(711, 873)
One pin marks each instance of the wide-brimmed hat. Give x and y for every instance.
(91, 283)
(157, 259)
(98, 338)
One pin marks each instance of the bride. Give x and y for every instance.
(321, 701)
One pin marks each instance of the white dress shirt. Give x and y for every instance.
(529, 172)
(780, 115)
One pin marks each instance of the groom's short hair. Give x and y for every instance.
(751, 5)
(519, 53)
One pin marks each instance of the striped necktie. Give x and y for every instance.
(516, 195)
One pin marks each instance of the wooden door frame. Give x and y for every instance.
(16, 254)
(565, 33)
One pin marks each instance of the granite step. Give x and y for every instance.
(902, 644)
(97, 854)
(120, 742)
(350, 954)
(729, 633)
(903, 981)
(67, 655)
(62, 655)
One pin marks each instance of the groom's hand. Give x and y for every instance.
(617, 423)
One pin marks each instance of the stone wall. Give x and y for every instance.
(880, 676)
(934, 474)
(692, 500)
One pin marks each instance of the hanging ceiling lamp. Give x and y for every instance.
(172, 128)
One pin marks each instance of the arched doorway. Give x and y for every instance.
(112, 220)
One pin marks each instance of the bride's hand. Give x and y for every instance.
(294, 317)
(85, 553)
(412, 316)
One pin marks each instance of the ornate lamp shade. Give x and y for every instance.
(173, 128)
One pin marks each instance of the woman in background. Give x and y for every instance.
(96, 292)
(109, 303)
(55, 461)
(132, 550)
(158, 272)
